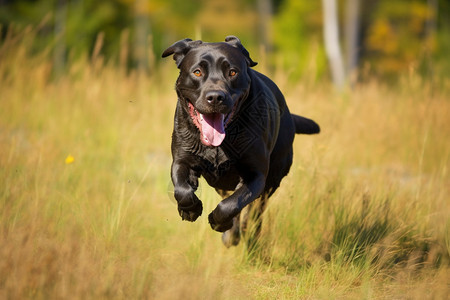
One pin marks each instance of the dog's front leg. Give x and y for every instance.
(221, 218)
(185, 183)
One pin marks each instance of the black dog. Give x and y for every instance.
(232, 127)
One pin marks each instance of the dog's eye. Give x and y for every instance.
(198, 73)
(233, 73)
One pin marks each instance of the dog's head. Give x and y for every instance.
(213, 80)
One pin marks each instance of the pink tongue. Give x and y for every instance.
(212, 128)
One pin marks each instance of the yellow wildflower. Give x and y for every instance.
(69, 159)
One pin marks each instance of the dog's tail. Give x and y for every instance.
(305, 125)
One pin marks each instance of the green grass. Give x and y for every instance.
(363, 214)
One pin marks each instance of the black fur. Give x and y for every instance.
(253, 153)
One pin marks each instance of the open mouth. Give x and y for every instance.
(211, 126)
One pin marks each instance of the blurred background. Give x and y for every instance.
(86, 114)
(344, 40)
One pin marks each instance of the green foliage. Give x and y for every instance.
(395, 36)
(74, 24)
(298, 36)
(399, 37)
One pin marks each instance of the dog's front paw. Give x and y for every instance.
(191, 213)
(221, 218)
(190, 208)
(221, 226)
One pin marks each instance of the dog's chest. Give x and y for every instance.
(218, 169)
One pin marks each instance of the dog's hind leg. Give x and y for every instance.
(232, 236)
(251, 222)
(247, 224)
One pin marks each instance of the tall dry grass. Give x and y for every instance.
(363, 213)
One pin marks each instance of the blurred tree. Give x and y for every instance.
(265, 13)
(440, 56)
(390, 36)
(219, 18)
(72, 26)
(332, 44)
(397, 37)
(59, 52)
(298, 35)
(352, 29)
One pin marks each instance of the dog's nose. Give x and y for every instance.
(215, 97)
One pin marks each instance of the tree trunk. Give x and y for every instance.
(331, 38)
(265, 12)
(59, 53)
(352, 38)
(140, 47)
(430, 32)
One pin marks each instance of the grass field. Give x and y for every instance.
(86, 211)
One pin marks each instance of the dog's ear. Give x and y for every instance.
(236, 42)
(180, 49)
